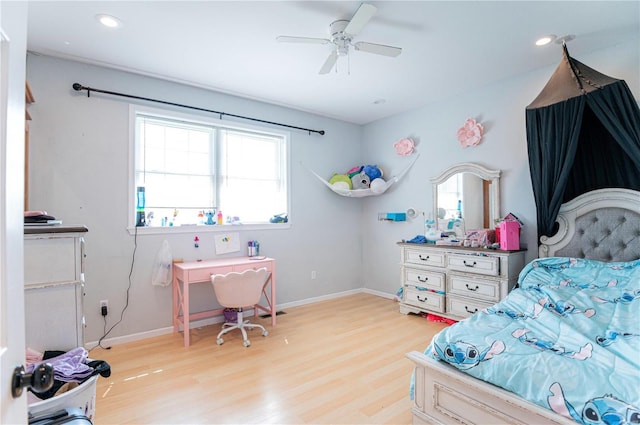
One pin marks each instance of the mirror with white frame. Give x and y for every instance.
(468, 191)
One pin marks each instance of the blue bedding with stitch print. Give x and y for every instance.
(568, 340)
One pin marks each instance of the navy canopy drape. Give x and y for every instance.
(583, 133)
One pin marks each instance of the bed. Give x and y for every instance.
(567, 339)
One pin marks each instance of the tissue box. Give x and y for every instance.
(509, 235)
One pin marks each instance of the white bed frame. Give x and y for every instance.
(444, 395)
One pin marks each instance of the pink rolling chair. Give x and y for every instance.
(239, 290)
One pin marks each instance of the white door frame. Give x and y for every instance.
(13, 20)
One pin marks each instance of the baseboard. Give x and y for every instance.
(107, 342)
(318, 299)
(378, 293)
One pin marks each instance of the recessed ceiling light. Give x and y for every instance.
(543, 41)
(109, 21)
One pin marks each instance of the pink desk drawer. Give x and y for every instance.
(253, 265)
(204, 275)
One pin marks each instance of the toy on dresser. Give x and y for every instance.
(480, 238)
(508, 232)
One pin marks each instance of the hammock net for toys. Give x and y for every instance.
(361, 193)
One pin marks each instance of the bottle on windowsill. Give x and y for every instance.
(140, 197)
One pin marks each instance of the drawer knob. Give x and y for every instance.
(472, 289)
(421, 299)
(470, 311)
(422, 279)
(469, 264)
(425, 258)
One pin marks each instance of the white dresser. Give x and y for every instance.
(54, 287)
(455, 282)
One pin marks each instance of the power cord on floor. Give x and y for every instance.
(126, 304)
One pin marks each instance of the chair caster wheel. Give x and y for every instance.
(246, 343)
(265, 333)
(220, 341)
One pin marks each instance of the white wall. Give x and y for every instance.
(501, 109)
(79, 171)
(79, 174)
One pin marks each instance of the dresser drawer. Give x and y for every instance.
(424, 299)
(482, 289)
(463, 307)
(50, 260)
(489, 266)
(425, 278)
(425, 258)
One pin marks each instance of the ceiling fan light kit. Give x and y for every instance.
(548, 39)
(342, 33)
(565, 39)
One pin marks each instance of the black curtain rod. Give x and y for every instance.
(78, 87)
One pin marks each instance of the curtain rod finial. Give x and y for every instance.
(77, 86)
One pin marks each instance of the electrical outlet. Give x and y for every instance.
(104, 307)
(314, 275)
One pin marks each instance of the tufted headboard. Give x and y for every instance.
(603, 225)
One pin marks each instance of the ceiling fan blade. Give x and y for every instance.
(364, 13)
(309, 40)
(378, 49)
(328, 64)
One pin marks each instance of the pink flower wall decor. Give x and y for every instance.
(404, 147)
(470, 133)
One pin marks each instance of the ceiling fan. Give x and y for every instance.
(342, 34)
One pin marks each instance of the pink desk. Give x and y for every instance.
(184, 274)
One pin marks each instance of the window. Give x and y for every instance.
(189, 171)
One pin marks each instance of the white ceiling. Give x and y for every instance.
(449, 47)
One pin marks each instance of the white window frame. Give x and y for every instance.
(134, 110)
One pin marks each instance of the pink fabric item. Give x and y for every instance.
(33, 356)
(404, 147)
(69, 367)
(34, 213)
(470, 133)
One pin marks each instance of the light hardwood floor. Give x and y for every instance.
(339, 361)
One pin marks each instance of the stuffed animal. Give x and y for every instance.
(378, 186)
(373, 171)
(355, 170)
(341, 181)
(359, 177)
(360, 181)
